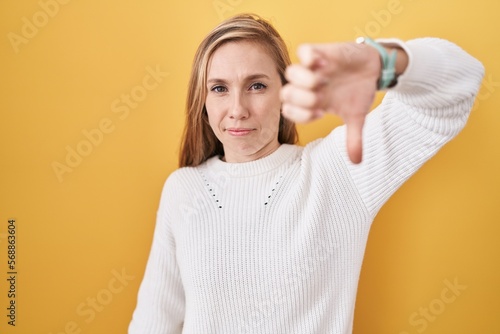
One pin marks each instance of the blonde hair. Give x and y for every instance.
(199, 142)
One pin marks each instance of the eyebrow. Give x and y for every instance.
(248, 78)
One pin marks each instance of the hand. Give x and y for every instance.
(333, 78)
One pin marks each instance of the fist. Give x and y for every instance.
(338, 78)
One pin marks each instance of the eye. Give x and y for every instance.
(219, 89)
(258, 86)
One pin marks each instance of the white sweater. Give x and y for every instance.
(276, 245)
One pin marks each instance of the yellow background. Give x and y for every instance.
(76, 235)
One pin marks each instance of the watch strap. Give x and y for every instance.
(388, 60)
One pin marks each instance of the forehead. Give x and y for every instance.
(240, 58)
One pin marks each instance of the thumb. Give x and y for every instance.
(354, 139)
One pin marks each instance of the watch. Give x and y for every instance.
(388, 73)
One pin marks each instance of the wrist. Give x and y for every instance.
(400, 65)
(388, 59)
(401, 59)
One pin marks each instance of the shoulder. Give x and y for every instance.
(327, 146)
(188, 179)
(179, 184)
(180, 176)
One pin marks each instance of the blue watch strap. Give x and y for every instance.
(388, 60)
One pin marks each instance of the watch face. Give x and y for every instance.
(360, 40)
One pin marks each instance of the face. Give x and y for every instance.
(243, 102)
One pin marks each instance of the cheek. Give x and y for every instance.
(272, 112)
(214, 123)
(269, 118)
(213, 114)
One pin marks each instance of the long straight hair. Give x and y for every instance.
(199, 142)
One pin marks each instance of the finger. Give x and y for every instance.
(310, 56)
(354, 144)
(299, 97)
(298, 114)
(303, 77)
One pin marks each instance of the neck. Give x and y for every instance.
(235, 157)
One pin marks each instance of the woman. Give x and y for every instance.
(257, 235)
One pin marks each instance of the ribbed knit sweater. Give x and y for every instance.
(276, 245)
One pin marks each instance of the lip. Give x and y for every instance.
(239, 131)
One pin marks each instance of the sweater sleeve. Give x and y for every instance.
(161, 303)
(427, 108)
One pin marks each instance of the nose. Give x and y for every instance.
(239, 108)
